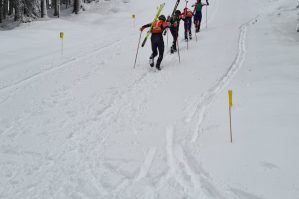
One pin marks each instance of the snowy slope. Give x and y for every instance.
(263, 158)
(85, 124)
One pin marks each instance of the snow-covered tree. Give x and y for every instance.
(32, 8)
(27, 10)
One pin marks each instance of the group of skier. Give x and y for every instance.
(159, 27)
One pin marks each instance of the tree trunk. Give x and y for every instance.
(58, 8)
(1, 10)
(54, 5)
(43, 8)
(11, 7)
(76, 6)
(19, 10)
(5, 9)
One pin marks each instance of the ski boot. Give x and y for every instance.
(172, 49)
(198, 28)
(158, 67)
(186, 37)
(158, 64)
(151, 61)
(190, 36)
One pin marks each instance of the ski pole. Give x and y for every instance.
(195, 34)
(187, 42)
(187, 32)
(206, 16)
(137, 48)
(177, 43)
(167, 38)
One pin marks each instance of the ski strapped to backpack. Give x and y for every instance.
(160, 8)
(175, 7)
(173, 12)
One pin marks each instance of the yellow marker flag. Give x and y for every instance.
(230, 97)
(61, 35)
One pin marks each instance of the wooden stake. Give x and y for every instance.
(61, 35)
(137, 49)
(230, 124)
(206, 16)
(62, 47)
(230, 99)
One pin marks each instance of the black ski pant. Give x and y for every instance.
(157, 45)
(175, 34)
(197, 20)
(188, 25)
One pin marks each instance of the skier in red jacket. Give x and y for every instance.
(157, 41)
(186, 16)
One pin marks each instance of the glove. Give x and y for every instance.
(208, 3)
(142, 28)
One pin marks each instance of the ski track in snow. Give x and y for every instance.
(108, 115)
(183, 173)
(183, 170)
(103, 119)
(179, 168)
(74, 142)
(186, 175)
(199, 109)
(180, 171)
(147, 164)
(15, 86)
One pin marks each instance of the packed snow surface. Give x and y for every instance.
(78, 121)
